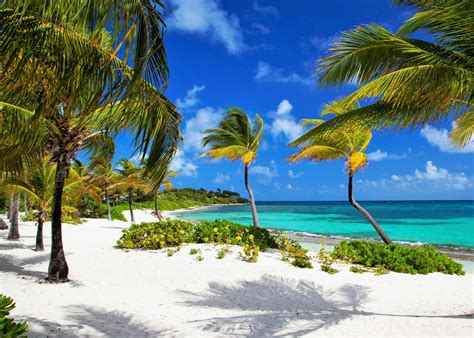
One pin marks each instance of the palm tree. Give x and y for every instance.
(347, 143)
(104, 177)
(155, 188)
(74, 72)
(411, 82)
(236, 138)
(131, 178)
(14, 233)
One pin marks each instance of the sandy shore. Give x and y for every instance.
(137, 293)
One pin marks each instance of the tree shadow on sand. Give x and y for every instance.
(19, 266)
(82, 318)
(283, 307)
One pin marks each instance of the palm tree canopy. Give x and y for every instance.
(131, 176)
(236, 138)
(345, 142)
(91, 67)
(409, 82)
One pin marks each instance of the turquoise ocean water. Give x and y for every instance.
(437, 222)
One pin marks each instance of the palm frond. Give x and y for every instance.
(462, 133)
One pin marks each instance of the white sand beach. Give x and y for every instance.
(136, 293)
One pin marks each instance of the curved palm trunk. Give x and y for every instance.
(366, 214)
(107, 201)
(252, 199)
(25, 204)
(58, 269)
(14, 234)
(39, 230)
(157, 210)
(130, 205)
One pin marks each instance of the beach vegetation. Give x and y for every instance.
(236, 139)
(222, 252)
(358, 269)
(329, 269)
(292, 252)
(408, 82)
(250, 252)
(348, 143)
(199, 258)
(171, 251)
(194, 251)
(394, 257)
(8, 327)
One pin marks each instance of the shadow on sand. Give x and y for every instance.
(283, 307)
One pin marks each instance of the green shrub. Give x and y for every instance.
(221, 253)
(8, 327)
(116, 212)
(170, 252)
(251, 252)
(194, 251)
(357, 269)
(301, 262)
(225, 232)
(329, 269)
(158, 235)
(199, 258)
(292, 251)
(424, 259)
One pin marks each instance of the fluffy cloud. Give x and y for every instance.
(207, 18)
(183, 166)
(194, 128)
(268, 73)
(266, 173)
(191, 98)
(440, 138)
(221, 178)
(432, 178)
(265, 9)
(292, 174)
(284, 122)
(380, 155)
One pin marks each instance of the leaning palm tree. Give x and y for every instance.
(74, 73)
(155, 189)
(411, 82)
(347, 143)
(236, 138)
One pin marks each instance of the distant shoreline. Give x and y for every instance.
(464, 253)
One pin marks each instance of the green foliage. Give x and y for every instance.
(251, 252)
(117, 212)
(221, 253)
(329, 269)
(90, 208)
(170, 252)
(29, 217)
(380, 270)
(158, 235)
(325, 256)
(8, 327)
(199, 258)
(357, 269)
(292, 251)
(394, 257)
(194, 251)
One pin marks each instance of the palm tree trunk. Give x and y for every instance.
(25, 204)
(252, 199)
(157, 211)
(58, 269)
(39, 230)
(130, 205)
(14, 234)
(107, 201)
(10, 206)
(366, 214)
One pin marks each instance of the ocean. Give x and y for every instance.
(445, 223)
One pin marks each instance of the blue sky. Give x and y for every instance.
(259, 56)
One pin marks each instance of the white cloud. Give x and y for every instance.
(191, 98)
(221, 178)
(292, 174)
(183, 166)
(380, 155)
(432, 178)
(266, 173)
(205, 118)
(284, 123)
(137, 158)
(206, 17)
(265, 9)
(440, 138)
(289, 187)
(268, 73)
(258, 28)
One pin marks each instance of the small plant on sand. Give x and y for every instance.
(251, 251)
(380, 270)
(325, 256)
(170, 252)
(199, 258)
(221, 253)
(358, 269)
(8, 327)
(292, 252)
(194, 251)
(329, 269)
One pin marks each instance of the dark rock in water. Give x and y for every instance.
(3, 225)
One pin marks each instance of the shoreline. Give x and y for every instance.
(309, 239)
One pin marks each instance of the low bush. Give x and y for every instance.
(329, 269)
(358, 269)
(292, 252)
(221, 253)
(8, 327)
(157, 235)
(394, 257)
(194, 251)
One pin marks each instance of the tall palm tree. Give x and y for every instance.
(131, 178)
(236, 138)
(74, 72)
(410, 82)
(347, 143)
